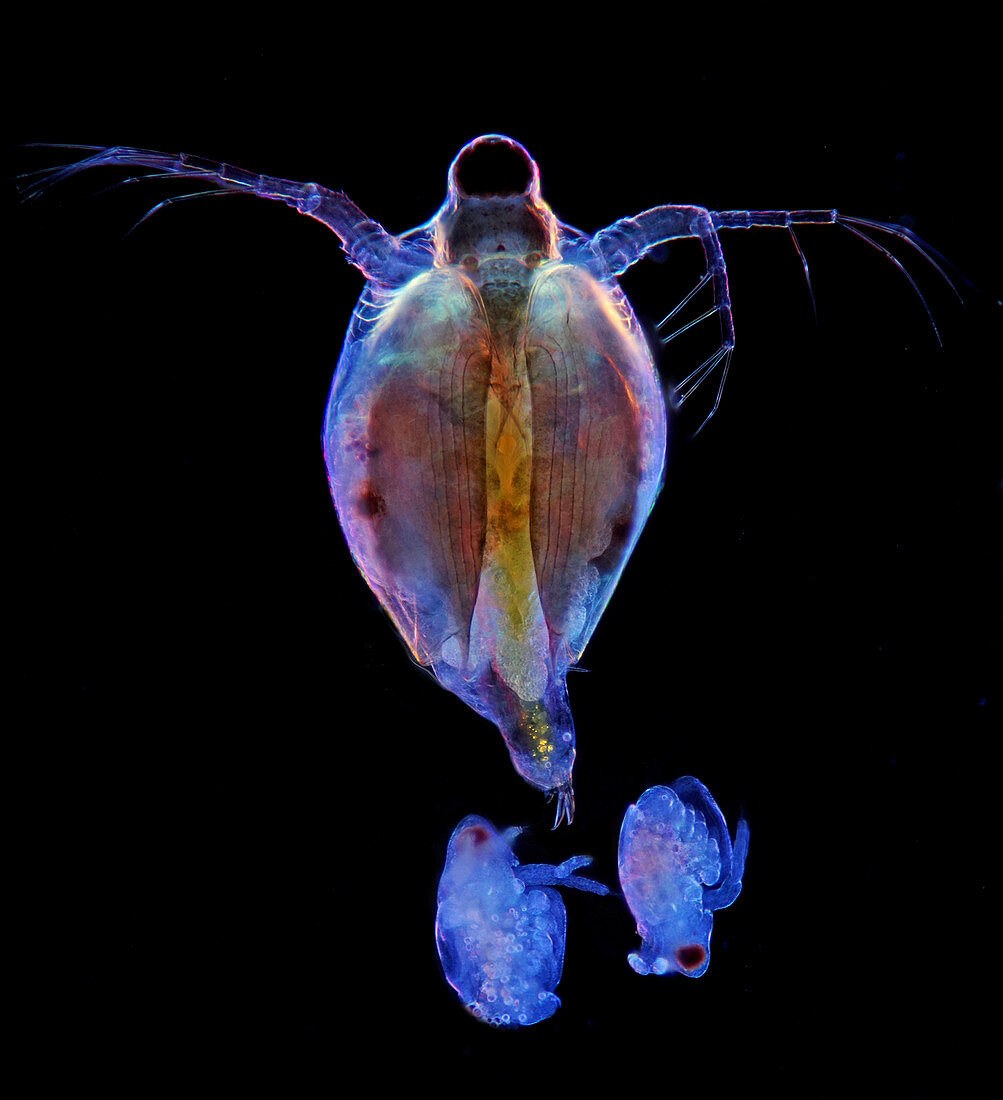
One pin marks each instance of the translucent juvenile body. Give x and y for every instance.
(499, 928)
(495, 436)
(677, 865)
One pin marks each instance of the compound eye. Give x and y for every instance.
(534, 259)
(475, 836)
(690, 956)
(470, 262)
(493, 168)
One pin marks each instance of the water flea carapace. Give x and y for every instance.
(495, 435)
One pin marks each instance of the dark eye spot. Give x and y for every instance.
(476, 835)
(371, 503)
(690, 956)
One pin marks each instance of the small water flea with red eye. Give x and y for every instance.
(678, 865)
(500, 927)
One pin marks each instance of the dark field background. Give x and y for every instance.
(233, 787)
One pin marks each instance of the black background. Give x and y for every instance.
(237, 788)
